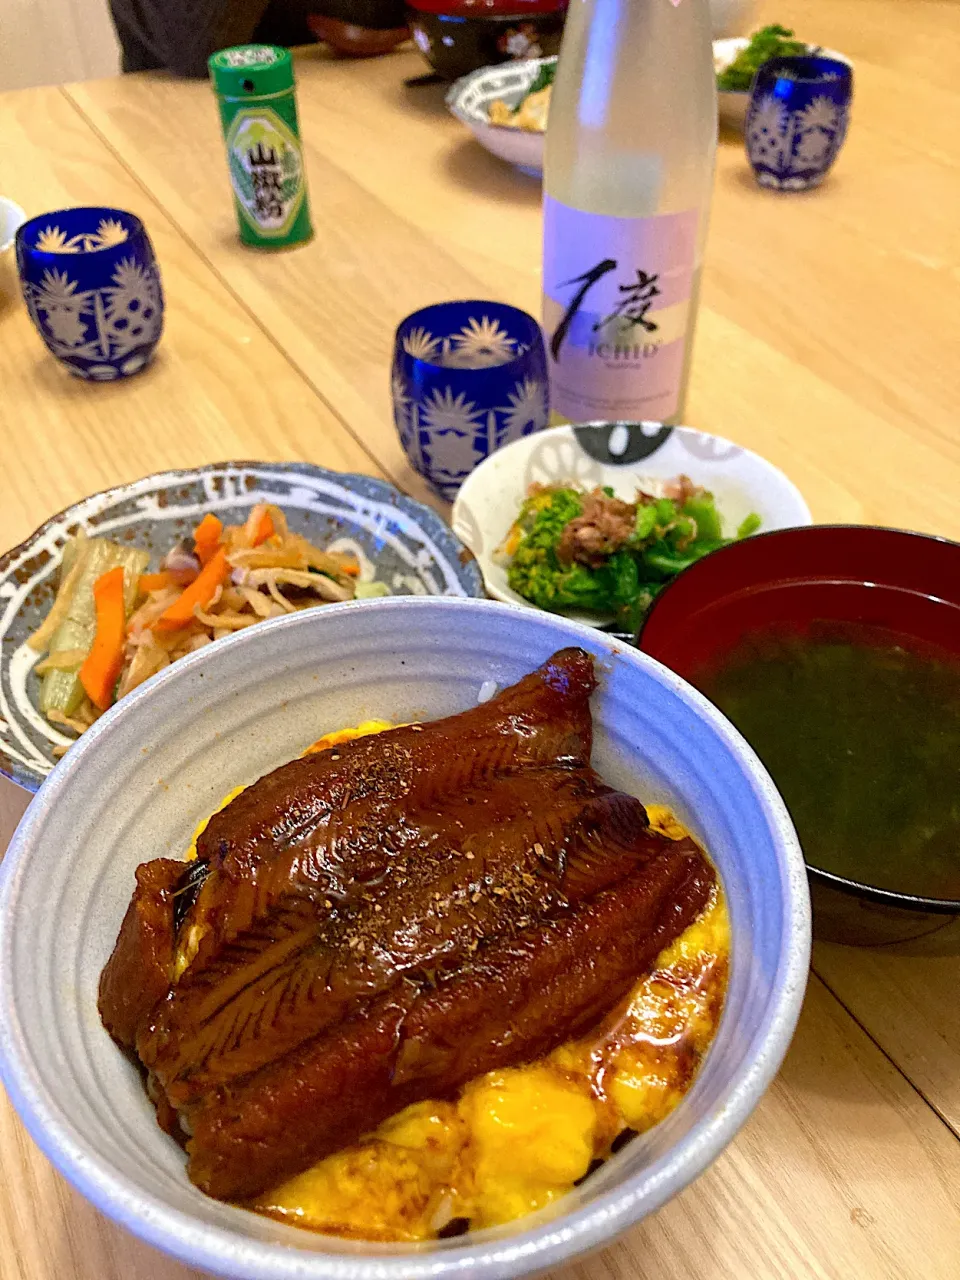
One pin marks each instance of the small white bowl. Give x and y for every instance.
(134, 788)
(12, 218)
(470, 98)
(732, 104)
(621, 455)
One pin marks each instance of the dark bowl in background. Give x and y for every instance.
(908, 582)
(377, 15)
(459, 36)
(359, 28)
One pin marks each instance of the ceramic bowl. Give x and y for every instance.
(620, 455)
(162, 759)
(372, 15)
(470, 100)
(12, 218)
(351, 41)
(733, 105)
(397, 540)
(908, 583)
(359, 28)
(458, 36)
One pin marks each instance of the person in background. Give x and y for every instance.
(180, 35)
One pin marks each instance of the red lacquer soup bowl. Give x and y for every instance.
(904, 586)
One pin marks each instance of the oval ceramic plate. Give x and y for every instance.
(398, 541)
(621, 455)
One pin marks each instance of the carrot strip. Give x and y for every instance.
(213, 574)
(166, 578)
(259, 526)
(101, 667)
(206, 537)
(155, 582)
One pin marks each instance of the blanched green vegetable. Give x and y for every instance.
(643, 548)
(769, 42)
(545, 77)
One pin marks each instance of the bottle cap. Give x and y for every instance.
(251, 71)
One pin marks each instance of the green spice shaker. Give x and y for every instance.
(258, 109)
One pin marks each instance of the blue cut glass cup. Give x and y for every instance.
(467, 378)
(92, 286)
(797, 120)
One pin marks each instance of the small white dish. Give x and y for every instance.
(732, 104)
(12, 217)
(470, 98)
(621, 455)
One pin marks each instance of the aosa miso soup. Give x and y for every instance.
(860, 730)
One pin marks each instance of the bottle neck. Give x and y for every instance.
(633, 122)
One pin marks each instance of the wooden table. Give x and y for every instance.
(827, 341)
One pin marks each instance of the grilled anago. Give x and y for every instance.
(379, 923)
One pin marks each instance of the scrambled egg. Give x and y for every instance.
(518, 1139)
(363, 730)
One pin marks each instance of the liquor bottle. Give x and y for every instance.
(628, 171)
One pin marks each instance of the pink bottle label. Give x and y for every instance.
(616, 311)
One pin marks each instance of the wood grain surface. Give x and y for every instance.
(827, 341)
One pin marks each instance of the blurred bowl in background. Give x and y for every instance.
(459, 36)
(359, 28)
(377, 15)
(470, 100)
(356, 42)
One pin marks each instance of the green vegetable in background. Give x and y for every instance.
(667, 537)
(545, 77)
(769, 42)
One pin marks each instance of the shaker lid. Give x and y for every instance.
(251, 70)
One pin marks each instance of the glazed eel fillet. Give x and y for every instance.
(378, 923)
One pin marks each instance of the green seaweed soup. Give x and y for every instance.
(862, 736)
